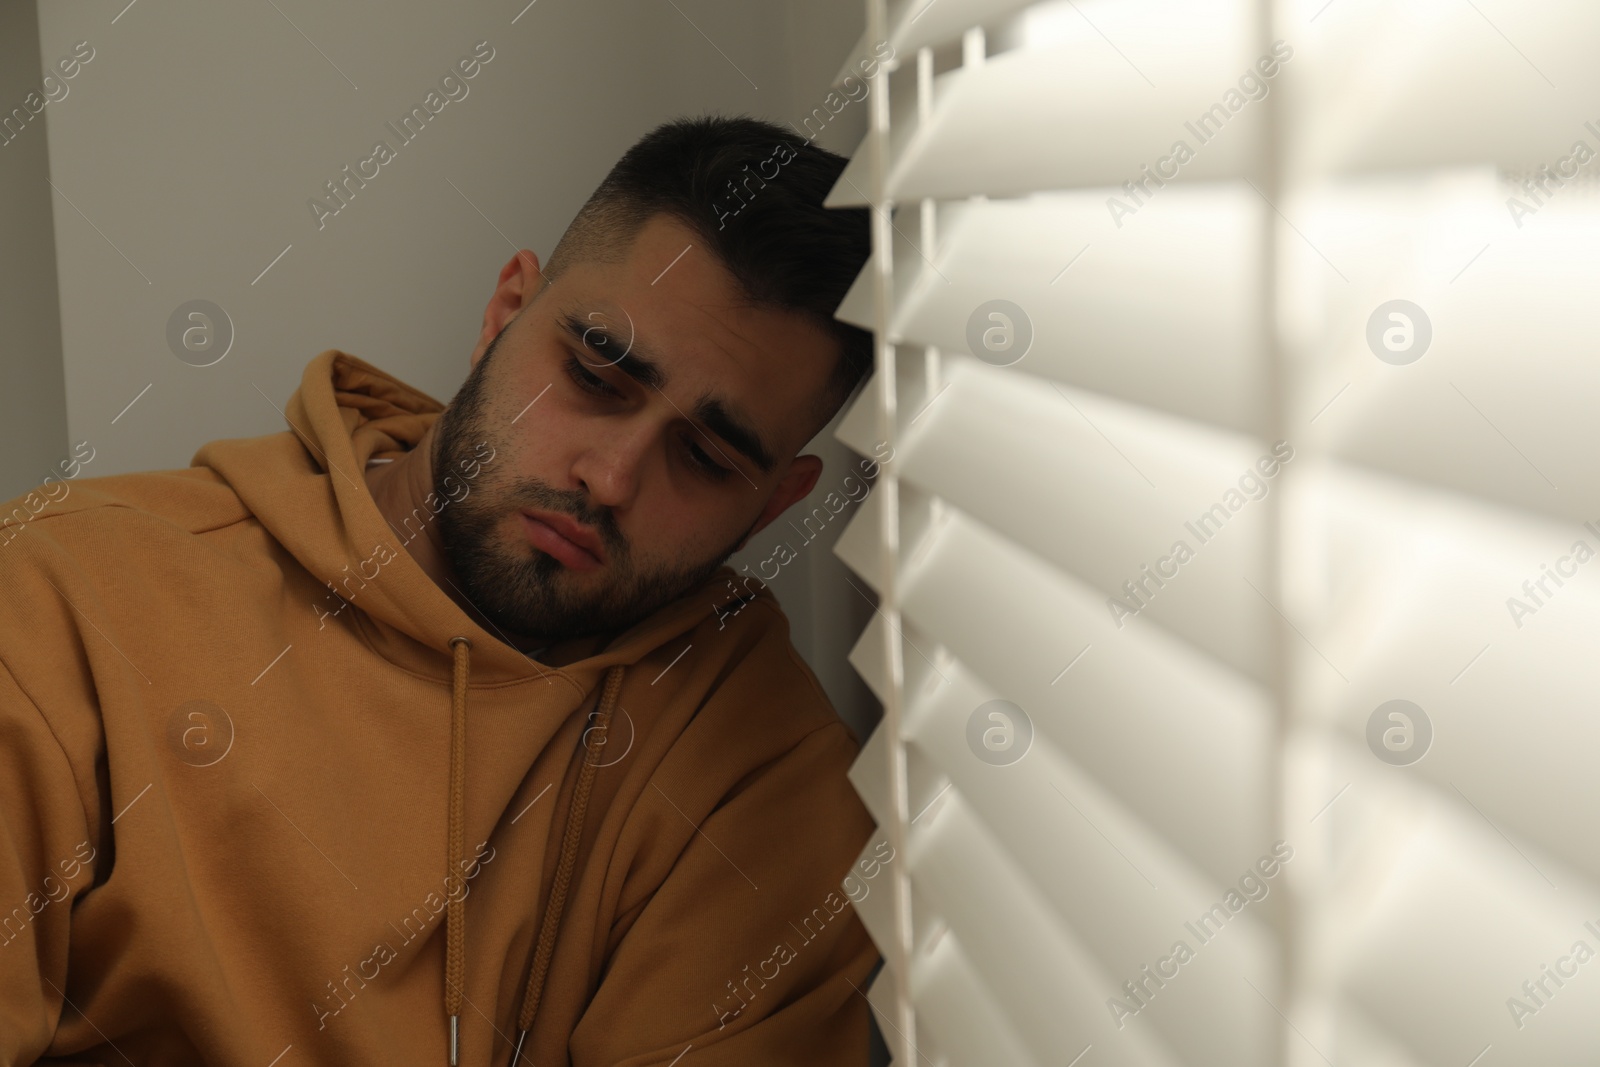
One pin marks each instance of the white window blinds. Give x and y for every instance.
(1236, 637)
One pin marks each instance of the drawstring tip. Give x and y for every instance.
(455, 1039)
(516, 1056)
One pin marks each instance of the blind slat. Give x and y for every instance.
(1084, 285)
(1177, 739)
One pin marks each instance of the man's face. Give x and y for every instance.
(643, 409)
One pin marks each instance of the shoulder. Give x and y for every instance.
(91, 561)
(759, 677)
(188, 500)
(729, 697)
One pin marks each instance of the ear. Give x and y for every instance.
(520, 281)
(797, 481)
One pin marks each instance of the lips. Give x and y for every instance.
(572, 544)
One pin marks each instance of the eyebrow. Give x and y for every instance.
(709, 409)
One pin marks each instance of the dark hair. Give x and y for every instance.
(754, 192)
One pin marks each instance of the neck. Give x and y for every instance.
(400, 489)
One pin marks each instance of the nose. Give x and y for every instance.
(608, 468)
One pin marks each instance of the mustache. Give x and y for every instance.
(536, 494)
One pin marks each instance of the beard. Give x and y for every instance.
(536, 598)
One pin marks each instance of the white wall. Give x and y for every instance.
(190, 144)
(817, 590)
(33, 403)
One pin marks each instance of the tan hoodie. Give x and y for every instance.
(244, 820)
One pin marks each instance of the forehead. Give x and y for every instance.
(674, 299)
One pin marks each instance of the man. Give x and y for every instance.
(405, 736)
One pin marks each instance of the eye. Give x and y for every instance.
(589, 383)
(597, 386)
(706, 465)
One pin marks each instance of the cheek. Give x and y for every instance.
(543, 444)
(677, 523)
(664, 528)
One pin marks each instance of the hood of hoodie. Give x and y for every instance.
(346, 412)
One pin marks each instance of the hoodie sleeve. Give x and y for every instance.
(46, 861)
(750, 952)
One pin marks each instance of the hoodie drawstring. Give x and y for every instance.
(594, 739)
(455, 965)
(592, 753)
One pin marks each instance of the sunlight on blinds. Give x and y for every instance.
(1235, 625)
